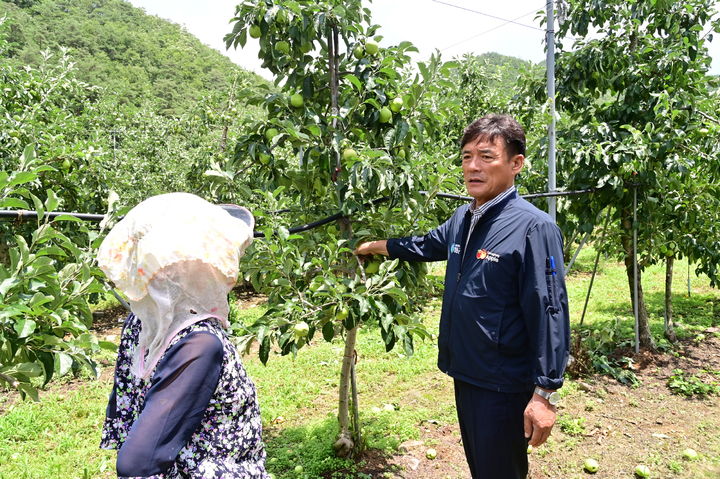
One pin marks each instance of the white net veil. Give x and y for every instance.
(178, 295)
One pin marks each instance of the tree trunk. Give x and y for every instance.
(646, 341)
(345, 445)
(669, 330)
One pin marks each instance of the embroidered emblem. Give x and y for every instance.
(483, 254)
(455, 248)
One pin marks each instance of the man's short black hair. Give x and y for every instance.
(492, 126)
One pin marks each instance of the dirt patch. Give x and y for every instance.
(599, 418)
(413, 458)
(108, 320)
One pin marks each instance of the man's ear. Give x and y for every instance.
(517, 162)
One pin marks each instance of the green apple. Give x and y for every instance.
(301, 329)
(591, 466)
(431, 453)
(297, 100)
(66, 164)
(642, 471)
(371, 46)
(264, 158)
(359, 52)
(690, 454)
(272, 460)
(306, 47)
(349, 154)
(255, 31)
(397, 104)
(282, 46)
(271, 133)
(342, 313)
(402, 154)
(385, 115)
(372, 267)
(529, 449)
(298, 469)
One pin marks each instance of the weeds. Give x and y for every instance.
(571, 426)
(689, 386)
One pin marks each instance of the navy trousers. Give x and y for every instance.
(491, 424)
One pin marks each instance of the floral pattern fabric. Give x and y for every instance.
(228, 442)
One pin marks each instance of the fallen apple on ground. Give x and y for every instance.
(690, 454)
(642, 470)
(591, 466)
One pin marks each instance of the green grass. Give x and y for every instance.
(58, 437)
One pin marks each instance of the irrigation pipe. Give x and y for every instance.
(22, 214)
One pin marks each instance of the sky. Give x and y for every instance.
(454, 27)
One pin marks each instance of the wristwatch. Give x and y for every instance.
(552, 397)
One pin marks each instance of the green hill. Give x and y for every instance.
(135, 56)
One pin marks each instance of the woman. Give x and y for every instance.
(182, 405)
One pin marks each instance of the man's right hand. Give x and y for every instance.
(372, 247)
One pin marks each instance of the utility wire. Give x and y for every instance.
(496, 27)
(491, 16)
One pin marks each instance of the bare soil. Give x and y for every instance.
(617, 425)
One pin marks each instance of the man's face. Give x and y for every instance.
(488, 170)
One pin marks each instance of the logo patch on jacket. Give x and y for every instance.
(483, 254)
(455, 248)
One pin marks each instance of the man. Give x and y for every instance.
(504, 328)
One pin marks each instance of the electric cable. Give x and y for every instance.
(506, 20)
(496, 27)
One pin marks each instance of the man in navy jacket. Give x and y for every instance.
(504, 327)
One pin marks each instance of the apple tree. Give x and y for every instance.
(345, 132)
(45, 316)
(630, 96)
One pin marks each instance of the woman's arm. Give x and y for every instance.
(181, 389)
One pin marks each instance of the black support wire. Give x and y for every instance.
(22, 214)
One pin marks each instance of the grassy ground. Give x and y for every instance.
(399, 396)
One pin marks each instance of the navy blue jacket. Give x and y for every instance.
(505, 321)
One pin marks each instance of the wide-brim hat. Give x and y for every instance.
(169, 228)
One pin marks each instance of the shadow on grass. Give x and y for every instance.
(305, 452)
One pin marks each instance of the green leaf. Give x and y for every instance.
(264, 352)
(25, 327)
(14, 203)
(52, 201)
(72, 219)
(28, 157)
(108, 346)
(328, 331)
(30, 370)
(27, 389)
(20, 177)
(48, 364)
(8, 284)
(354, 81)
(408, 345)
(39, 208)
(63, 363)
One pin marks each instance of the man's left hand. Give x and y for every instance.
(539, 420)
